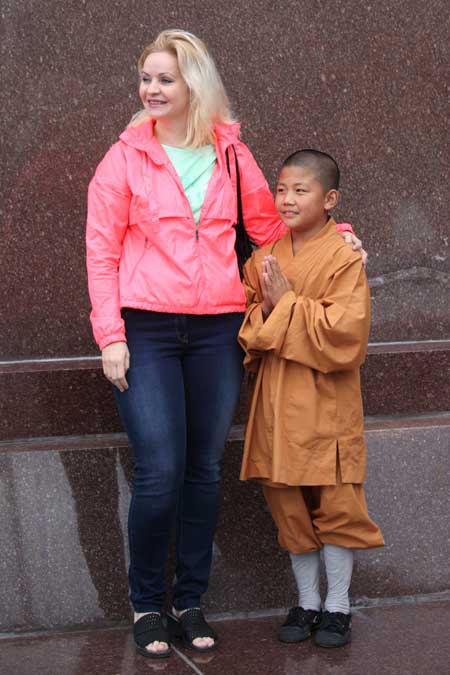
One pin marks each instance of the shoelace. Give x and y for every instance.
(298, 615)
(334, 622)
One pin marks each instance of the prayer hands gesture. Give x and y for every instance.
(273, 284)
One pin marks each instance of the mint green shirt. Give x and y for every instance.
(194, 167)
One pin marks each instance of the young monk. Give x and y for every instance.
(305, 336)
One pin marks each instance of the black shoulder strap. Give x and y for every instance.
(243, 244)
(240, 213)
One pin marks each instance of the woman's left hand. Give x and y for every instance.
(350, 238)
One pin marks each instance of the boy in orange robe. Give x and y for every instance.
(305, 336)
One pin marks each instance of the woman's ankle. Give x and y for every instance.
(139, 615)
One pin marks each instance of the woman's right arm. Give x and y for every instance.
(261, 219)
(107, 221)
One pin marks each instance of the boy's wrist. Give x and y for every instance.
(265, 309)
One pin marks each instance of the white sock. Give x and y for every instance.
(339, 568)
(306, 571)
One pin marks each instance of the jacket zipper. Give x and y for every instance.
(180, 186)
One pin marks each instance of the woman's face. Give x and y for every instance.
(163, 91)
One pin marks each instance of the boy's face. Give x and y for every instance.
(301, 200)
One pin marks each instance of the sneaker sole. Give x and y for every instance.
(290, 634)
(331, 646)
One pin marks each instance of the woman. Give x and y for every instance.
(165, 289)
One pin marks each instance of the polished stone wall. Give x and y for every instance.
(367, 82)
(64, 548)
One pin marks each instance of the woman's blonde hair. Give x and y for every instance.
(209, 103)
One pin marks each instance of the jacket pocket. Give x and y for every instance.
(140, 215)
(137, 264)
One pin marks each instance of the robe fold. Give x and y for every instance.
(306, 411)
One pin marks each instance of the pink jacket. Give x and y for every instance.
(142, 248)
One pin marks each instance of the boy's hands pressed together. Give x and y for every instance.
(273, 284)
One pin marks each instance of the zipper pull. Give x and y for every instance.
(196, 234)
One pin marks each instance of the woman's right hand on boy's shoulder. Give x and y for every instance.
(116, 361)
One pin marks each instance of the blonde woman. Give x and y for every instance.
(167, 304)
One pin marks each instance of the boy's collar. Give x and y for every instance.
(328, 229)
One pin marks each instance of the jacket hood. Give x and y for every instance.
(141, 137)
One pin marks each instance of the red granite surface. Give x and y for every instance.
(397, 640)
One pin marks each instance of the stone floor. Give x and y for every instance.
(409, 639)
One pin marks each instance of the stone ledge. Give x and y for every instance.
(71, 397)
(94, 362)
(120, 440)
(63, 526)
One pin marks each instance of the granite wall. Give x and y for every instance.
(367, 82)
(63, 535)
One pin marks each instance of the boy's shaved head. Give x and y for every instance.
(320, 163)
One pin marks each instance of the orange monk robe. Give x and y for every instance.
(306, 409)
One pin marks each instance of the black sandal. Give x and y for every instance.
(191, 624)
(148, 629)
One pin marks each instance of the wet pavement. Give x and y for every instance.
(410, 639)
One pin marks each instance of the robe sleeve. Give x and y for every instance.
(253, 320)
(329, 334)
(261, 219)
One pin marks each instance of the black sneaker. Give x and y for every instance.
(335, 630)
(299, 624)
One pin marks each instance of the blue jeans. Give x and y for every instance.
(184, 383)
